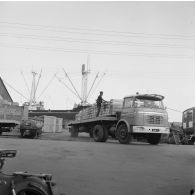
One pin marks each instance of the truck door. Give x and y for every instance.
(128, 110)
(188, 121)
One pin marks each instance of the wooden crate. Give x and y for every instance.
(109, 108)
(49, 124)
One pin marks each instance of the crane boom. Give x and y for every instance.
(38, 81)
(67, 87)
(25, 82)
(71, 83)
(93, 84)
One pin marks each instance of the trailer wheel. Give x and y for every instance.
(36, 135)
(154, 139)
(22, 133)
(105, 134)
(123, 135)
(91, 133)
(74, 131)
(98, 133)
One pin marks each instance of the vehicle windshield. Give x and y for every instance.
(138, 103)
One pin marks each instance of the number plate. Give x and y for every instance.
(155, 130)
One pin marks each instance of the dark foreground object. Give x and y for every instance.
(23, 183)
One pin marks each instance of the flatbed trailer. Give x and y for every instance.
(97, 119)
(98, 127)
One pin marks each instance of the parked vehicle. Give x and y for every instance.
(31, 127)
(188, 126)
(140, 116)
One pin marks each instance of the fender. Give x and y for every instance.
(123, 121)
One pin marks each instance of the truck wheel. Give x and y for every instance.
(74, 131)
(22, 133)
(98, 133)
(36, 134)
(91, 133)
(154, 139)
(105, 134)
(123, 135)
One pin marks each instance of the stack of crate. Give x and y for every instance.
(109, 108)
(59, 125)
(52, 124)
(49, 124)
(116, 105)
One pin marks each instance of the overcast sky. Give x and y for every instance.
(145, 47)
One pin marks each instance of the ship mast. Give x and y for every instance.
(33, 89)
(32, 103)
(85, 73)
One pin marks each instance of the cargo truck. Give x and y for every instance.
(31, 127)
(140, 116)
(11, 115)
(188, 126)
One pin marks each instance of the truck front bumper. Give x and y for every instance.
(147, 129)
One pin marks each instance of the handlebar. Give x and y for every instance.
(8, 153)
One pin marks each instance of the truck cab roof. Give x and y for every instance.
(154, 97)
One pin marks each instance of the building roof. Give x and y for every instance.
(65, 114)
(154, 97)
(4, 92)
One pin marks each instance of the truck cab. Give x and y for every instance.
(143, 116)
(188, 125)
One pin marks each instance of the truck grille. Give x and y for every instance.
(154, 119)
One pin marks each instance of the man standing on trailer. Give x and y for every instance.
(99, 103)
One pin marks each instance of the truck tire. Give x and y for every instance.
(123, 135)
(154, 138)
(22, 133)
(34, 135)
(191, 141)
(98, 133)
(74, 131)
(105, 134)
(91, 133)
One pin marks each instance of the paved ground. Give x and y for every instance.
(81, 166)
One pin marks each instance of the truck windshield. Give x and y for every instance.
(138, 103)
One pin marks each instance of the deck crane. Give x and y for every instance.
(84, 92)
(32, 103)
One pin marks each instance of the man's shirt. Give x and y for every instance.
(99, 101)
